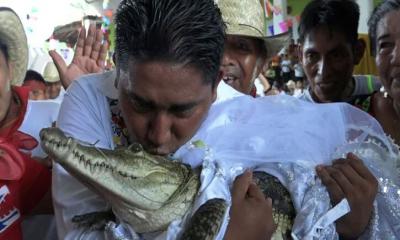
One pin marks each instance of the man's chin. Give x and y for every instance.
(325, 96)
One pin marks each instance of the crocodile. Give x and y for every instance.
(150, 191)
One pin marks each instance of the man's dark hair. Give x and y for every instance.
(33, 75)
(338, 15)
(380, 12)
(188, 32)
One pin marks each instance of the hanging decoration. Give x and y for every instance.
(270, 9)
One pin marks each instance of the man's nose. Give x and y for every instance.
(228, 58)
(323, 67)
(159, 132)
(395, 59)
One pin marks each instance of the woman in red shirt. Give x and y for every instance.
(23, 180)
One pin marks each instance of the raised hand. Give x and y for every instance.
(349, 178)
(251, 213)
(89, 57)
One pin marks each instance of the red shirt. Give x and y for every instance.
(23, 181)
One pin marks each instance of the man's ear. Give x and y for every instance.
(359, 49)
(216, 83)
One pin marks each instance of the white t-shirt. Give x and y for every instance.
(286, 66)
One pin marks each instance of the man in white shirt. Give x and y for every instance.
(167, 80)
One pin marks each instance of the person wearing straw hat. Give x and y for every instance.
(247, 48)
(51, 77)
(23, 180)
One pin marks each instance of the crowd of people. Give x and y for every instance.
(208, 69)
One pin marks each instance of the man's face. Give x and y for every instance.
(388, 53)
(163, 104)
(241, 62)
(328, 63)
(5, 81)
(53, 89)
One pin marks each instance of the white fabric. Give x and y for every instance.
(259, 88)
(226, 92)
(241, 133)
(39, 114)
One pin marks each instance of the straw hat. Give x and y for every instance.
(246, 18)
(12, 34)
(50, 73)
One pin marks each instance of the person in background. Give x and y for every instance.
(298, 72)
(291, 86)
(54, 89)
(384, 33)
(247, 48)
(286, 67)
(35, 82)
(299, 89)
(329, 50)
(24, 181)
(89, 56)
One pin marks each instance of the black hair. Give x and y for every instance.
(379, 12)
(188, 32)
(338, 15)
(33, 75)
(4, 50)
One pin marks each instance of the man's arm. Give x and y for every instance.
(349, 178)
(89, 57)
(251, 213)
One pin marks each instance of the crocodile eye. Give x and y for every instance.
(136, 147)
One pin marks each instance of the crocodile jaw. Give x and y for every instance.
(123, 178)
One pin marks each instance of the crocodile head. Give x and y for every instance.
(128, 176)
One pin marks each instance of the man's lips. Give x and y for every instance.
(229, 79)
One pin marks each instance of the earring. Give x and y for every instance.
(385, 93)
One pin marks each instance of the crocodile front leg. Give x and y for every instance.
(206, 221)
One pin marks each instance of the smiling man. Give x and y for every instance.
(246, 46)
(167, 77)
(329, 50)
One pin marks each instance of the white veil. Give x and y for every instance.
(287, 138)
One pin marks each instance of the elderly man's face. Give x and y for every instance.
(5, 81)
(242, 62)
(163, 104)
(388, 53)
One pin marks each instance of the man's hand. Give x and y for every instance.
(349, 178)
(89, 57)
(251, 213)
